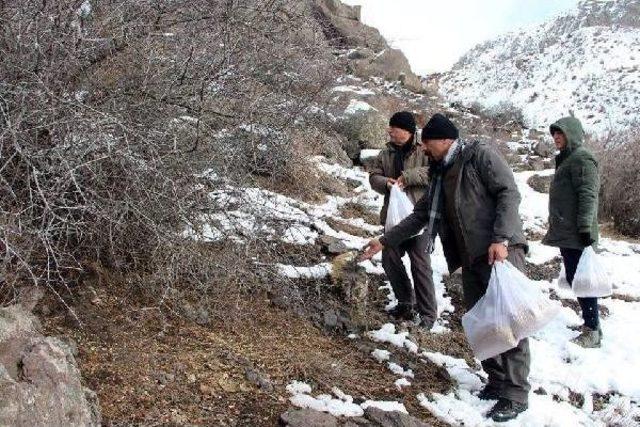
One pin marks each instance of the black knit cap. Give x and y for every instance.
(439, 127)
(403, 120)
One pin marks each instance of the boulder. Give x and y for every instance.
(363, 53)
(342, 27)
(392, 418)
(352, 148)
(365, 129)
(537, 134)
(535, 163)
(40, 384)
(332, 245)
(307, 418)
(544, 148)
(539, 183)
(339, 9)
(390, 64)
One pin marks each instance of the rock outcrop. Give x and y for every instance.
(369, 55)
(40, 383)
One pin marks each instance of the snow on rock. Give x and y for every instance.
(458, 369)
(355, 89)
(325, 403)
(356, 106)
(402, 382)
(388, 406)
(299, 235)
(387, 333)
(399, 370)
(340, 405)
(298, 387)
(314, 272)
(368, 153)
(381, 355)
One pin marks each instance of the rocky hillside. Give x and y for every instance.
(586, 61)
(253, 313)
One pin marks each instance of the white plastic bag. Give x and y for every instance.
(513, 308)
(562, 279)
(591, 279)
(400, 207)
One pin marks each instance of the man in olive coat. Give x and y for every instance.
(473, 206)
(573, 213)
(404, 164)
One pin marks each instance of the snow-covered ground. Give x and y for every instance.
(561, 372)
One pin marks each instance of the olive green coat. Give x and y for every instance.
(573, 196)
(416, 175)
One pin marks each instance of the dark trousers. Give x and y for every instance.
(589, 306)
(425, 297)
(507, 371)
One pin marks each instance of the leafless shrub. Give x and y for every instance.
(111, 111)
(504, 115)
(619, 158)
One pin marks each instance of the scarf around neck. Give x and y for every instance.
(437, 169)
(399, 156)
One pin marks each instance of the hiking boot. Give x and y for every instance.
(588, 338)
(488, 393)
(422, 322)
(506, 410)
(401, 312)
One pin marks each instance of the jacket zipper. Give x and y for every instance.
(457, 211)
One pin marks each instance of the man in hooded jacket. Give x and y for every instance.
(573, 213)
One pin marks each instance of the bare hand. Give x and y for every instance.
(373, 247)
(497, 252)
(390, 182)
(400, 182)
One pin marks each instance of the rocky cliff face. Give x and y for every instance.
(586, 61)
(366, 52)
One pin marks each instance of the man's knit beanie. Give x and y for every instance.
(439, 127)
(403, 120)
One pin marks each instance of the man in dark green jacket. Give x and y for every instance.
(473, 206)
(573, 213)
(404, 164)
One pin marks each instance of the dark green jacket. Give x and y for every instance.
(573, 196)
(487, 201)
(416, 175)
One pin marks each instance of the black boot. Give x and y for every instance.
(506, 410)
(488, 393)
(402, 312)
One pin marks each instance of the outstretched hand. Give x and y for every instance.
(373, 247)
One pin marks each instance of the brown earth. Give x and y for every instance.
(150, 367)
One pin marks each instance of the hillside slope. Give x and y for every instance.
(586, 61)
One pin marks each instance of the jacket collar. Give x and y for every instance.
(394, 148)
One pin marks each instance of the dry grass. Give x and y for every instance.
(161, 370)
(355, 210)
